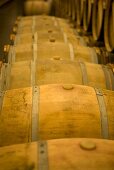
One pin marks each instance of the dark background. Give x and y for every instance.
(9, 10)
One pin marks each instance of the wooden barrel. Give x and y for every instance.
(40, 19)
(78, 111)
(60, 155)
(97, 19)
(50, 25)
(66, 8)
(56, 8)
(80, 10)
(42, 36)
(62, 8)
(87, 15)
(69, 8)
(37, 7)
(36, 23)
(28, 7)
(32, 30)
(109, 26)
(65, 51)
(74, 10)
(58, 71)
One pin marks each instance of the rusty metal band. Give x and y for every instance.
(112, 77)
(93, 56)
(33, 63)
(65, 37)
(33, 73)
(43, 155)
(35, 51)
(84, 73)
(71, 52)
(35, 38)
(103, 112)
(107, 77)
(35, 99)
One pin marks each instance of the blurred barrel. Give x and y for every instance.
(63, 8)
(60, 155)
(57, 8)
(74, 9)
(37, 7)
(36, 23)
(56, 111)
(39, 20)
(97, 19)
(42, 36)
(87, 15)
(69, 8)
(50, 25)
(65, 51)
(58, 71)
(80, 10)
(109, 26)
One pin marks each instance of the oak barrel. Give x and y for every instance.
(80, 10)
(109, 26)
(42, 36)
(56, 111)
(69, 8)
(57, 28)
(87, 15)
(37, 7)
(35, 23)
(52, 48)
(39, 20)
(56, 71)
(70, 154)
(62, 8)
(74, 9)
(67, 52)
(97, 19)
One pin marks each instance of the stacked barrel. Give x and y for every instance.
(36, 7)
(56, 101)
(93, 18)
